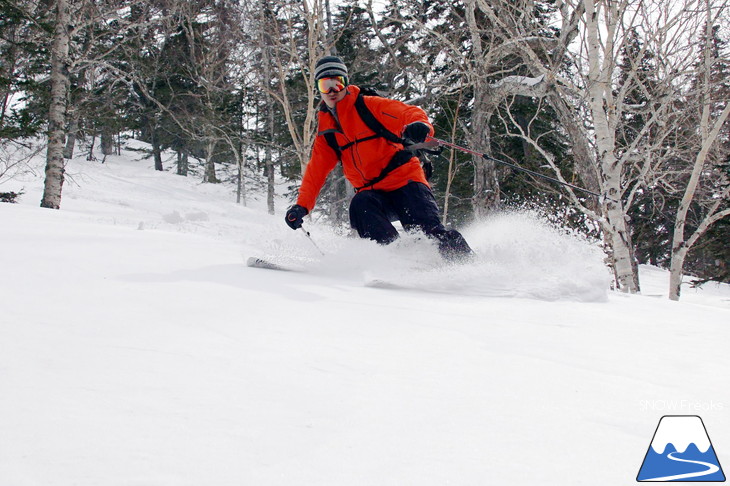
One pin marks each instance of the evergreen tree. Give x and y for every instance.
(25, 30)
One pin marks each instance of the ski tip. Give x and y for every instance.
(377, 283)
(253, 261)
(256, 262)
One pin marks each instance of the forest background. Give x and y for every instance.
(627, 99)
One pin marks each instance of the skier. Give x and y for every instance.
(370, 135)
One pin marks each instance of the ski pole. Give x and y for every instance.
(514, 166)
(309, 237)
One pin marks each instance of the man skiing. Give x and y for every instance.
(370, 135)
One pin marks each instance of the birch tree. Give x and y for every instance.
(297, 41)
(602, 41)
(713, 121)
(581, 79)
(105, 19)
(265, 36)
(59, 80)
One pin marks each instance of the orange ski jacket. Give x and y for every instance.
(363, 160)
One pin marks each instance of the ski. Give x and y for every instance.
(256, 262)
(379, 283)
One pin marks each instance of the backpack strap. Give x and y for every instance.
(373, 123)
(329, 136)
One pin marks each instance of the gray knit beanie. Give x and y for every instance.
(330, 66)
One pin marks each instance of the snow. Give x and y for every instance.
(136, 348)
(521, 80)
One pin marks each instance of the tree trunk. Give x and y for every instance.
(107, 142)
(210, 176)
(55, 163)
(676, 267)
(183, 162)
(486, 185)
(621, 254)
(269, 169)
(603, 115)
(241, 154)
(451, 173)
(268, 161)
(73, 130)
(241, 186)
(709, 132)
(156, 150)
(618, 234)
(90, 156)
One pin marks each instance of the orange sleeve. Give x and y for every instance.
(323, 160)
(395, 115)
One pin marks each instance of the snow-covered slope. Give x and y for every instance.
(137, 348)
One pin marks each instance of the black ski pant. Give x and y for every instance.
(414, 205)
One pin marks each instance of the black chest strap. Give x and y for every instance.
(373, 123)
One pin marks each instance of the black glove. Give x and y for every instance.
(416, 132)
(294, 216)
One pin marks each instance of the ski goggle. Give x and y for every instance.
(335, 84)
